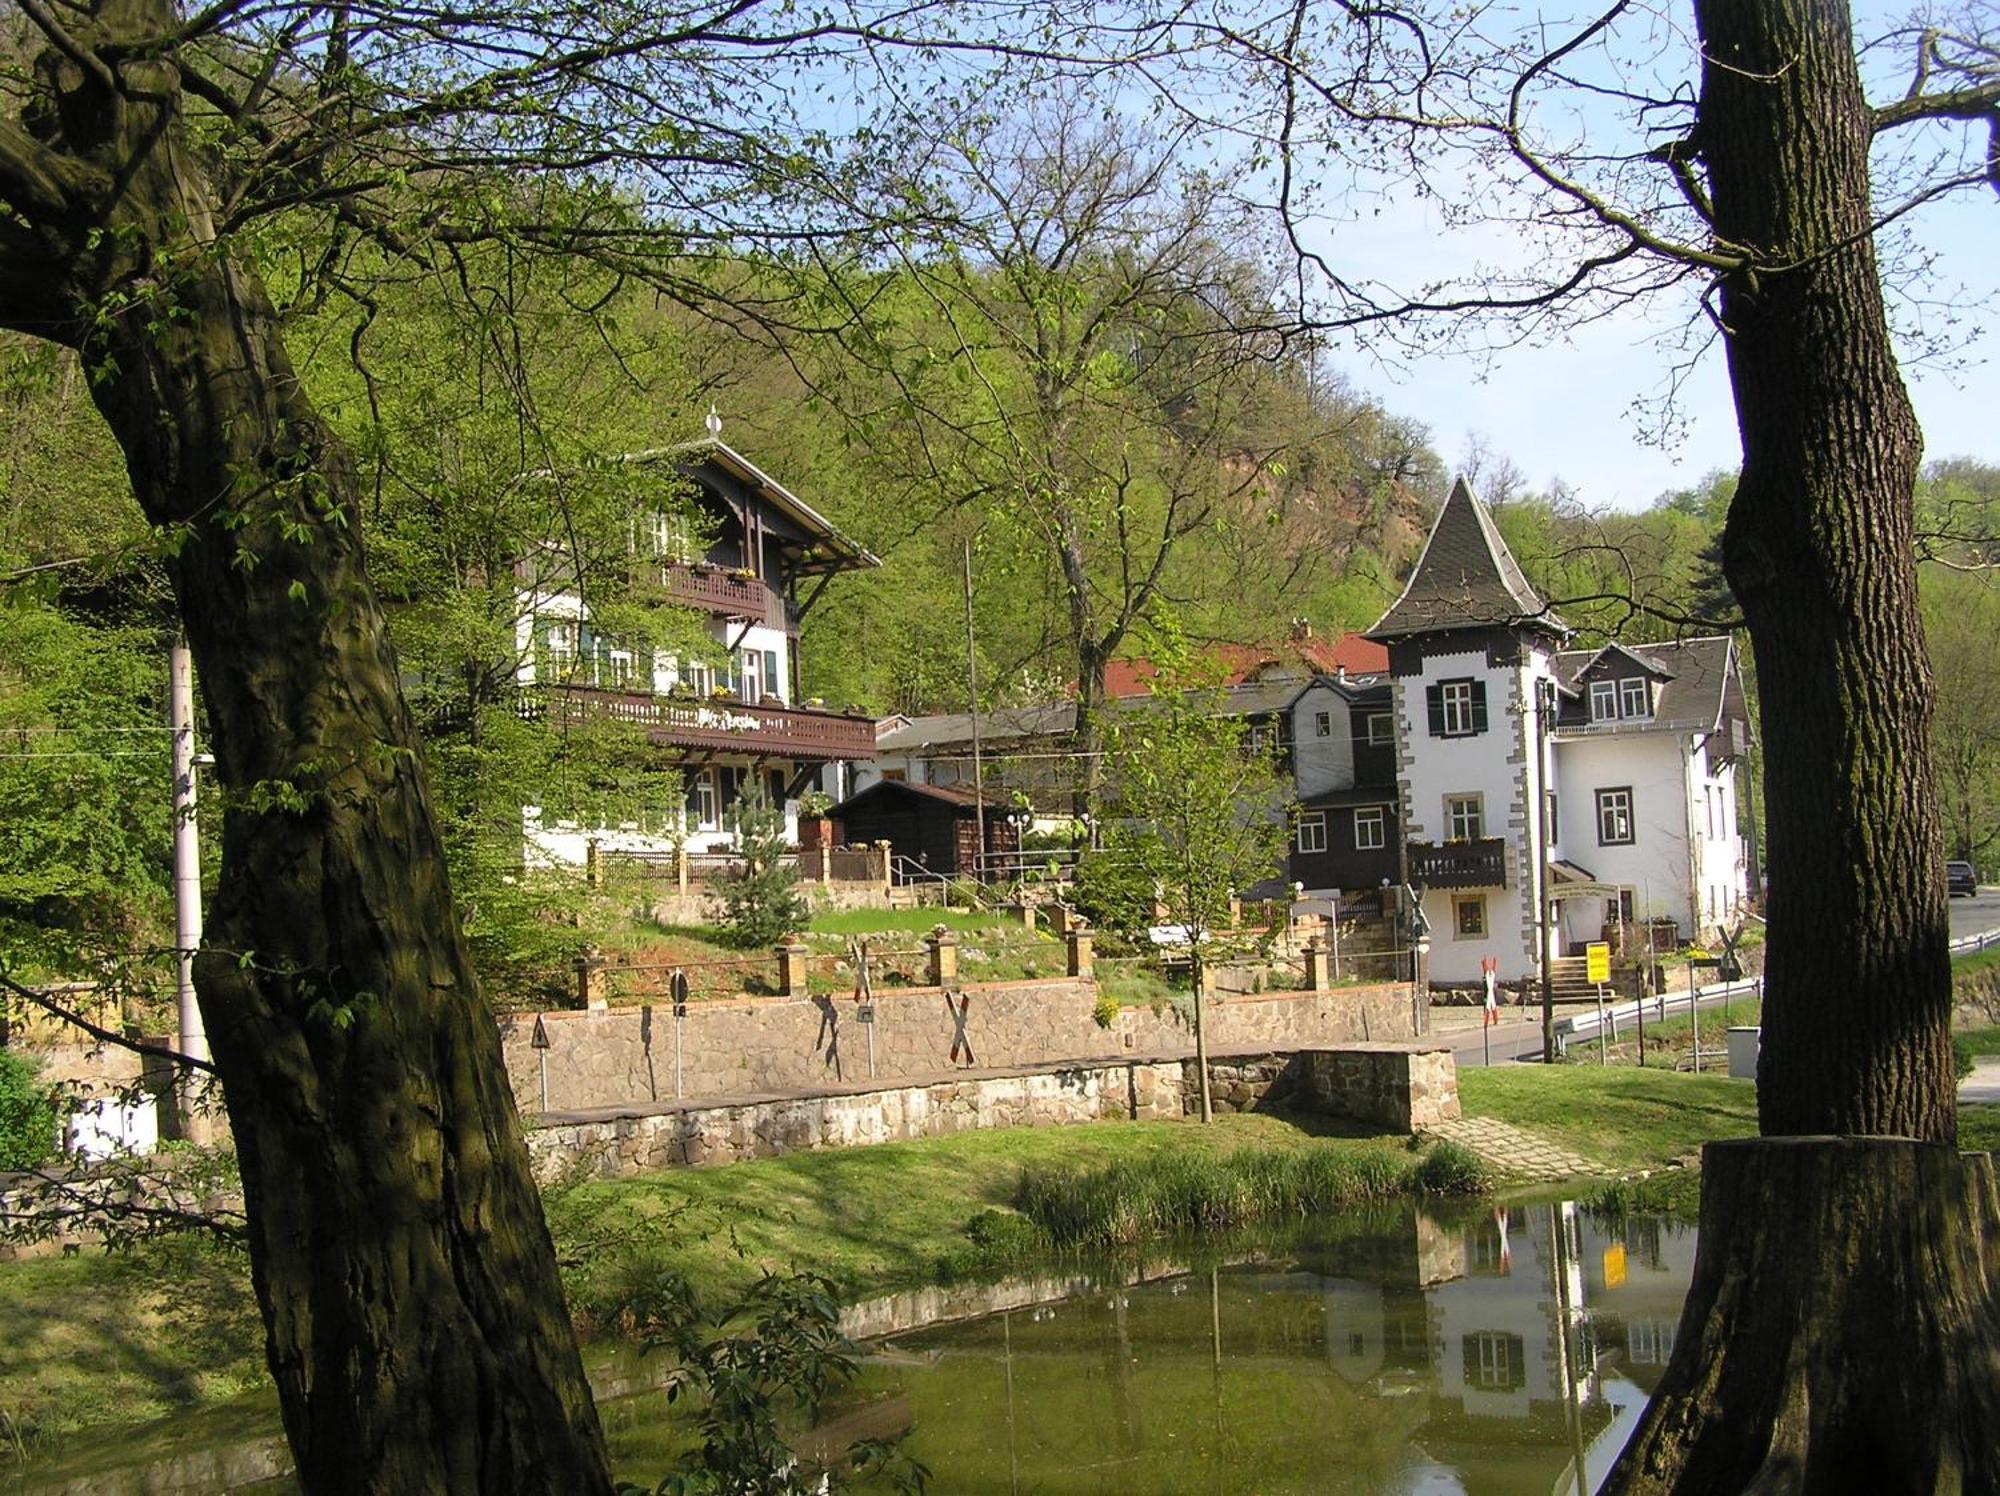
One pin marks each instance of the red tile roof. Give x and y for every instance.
(1244, 662)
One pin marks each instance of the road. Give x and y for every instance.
(1980, 912)
(1519, 1033)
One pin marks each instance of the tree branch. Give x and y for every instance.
(103, 1035)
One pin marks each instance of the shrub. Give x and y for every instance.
(761, 902)
(1961, 1056)
(28, 1117)
(1105, 1010)
(1450, 1169)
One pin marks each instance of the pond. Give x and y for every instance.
(1493, 1352)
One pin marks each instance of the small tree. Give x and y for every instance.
(28, 1117)
(761, 902)
(1204, 814)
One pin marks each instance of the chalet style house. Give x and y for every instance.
(1606, 781)
(734, 718)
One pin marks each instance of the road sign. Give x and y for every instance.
(540, 1038)
(1597, 962)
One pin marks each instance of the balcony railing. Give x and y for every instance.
(730, 726)
(1460, 864)
(725, 594)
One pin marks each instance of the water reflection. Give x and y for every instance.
(1507, 1352)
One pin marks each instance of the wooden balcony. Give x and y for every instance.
(1460, 864)
(726, 726)
(727, 595)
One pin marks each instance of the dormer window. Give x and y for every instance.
(1635, 697)
(1603, 700)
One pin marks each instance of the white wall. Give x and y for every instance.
(1654, 765)
(1486, 765)
(1322, 763)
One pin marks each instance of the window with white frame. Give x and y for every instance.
(1312, 831)
(1635, 697)
(1464, 817)
(704, 801)
(1603, 700)
(1381, 730)
(752, 687)
(1370, 829)
(1322, 724)
(1457, 698)
(1468, 916)
(1614, 817)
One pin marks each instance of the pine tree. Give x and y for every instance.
(761, 902)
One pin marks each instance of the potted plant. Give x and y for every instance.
(815, 830)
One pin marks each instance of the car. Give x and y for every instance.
(1960, 878)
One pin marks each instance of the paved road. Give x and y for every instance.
(1976, 914)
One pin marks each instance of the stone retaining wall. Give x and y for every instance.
(621, 1056)
(1402, 1087)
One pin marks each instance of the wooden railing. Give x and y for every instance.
(1460, 864)
(794, 732)
(725, 594)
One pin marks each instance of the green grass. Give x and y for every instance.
(846, 922)
(1977, 962)
(1980, 1040)
(1622, 1117)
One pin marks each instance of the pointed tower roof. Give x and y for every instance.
(1465, 579)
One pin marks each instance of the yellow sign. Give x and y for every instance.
(1614, 1264)
(1597, 962)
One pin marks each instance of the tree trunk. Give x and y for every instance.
(1839, 1335)
(415, 1321)
(1818, 549)
(1200, 1028)
(1857, 1349)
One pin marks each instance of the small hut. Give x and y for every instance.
(930, 825)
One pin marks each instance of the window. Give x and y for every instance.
(1549, 812)
(1457, 708)
(1312, 832)
(1603, 700)
(1322, 724)
(555, 648)
(669, 537)
(1494, 1362)
(771, 675)
(705, 802)
(1468, 916)
(1614, 817)
(1381, 730)
(1464, 817)
(699, 678)
(1635, 697)
(1370, 829)
(753, 674)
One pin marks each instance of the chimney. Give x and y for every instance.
(1302, 629)
(1340, 674)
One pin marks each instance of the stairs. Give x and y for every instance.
(1569, 977)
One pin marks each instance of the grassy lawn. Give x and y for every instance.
(1980, 1040)
(1977, 962)
(1622, 1116)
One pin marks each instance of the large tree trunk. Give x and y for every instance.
(1844, 1338)
(415, 1321)
(1818, 550)
(1839, 1335)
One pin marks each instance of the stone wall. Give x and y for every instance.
(667, 1135)
(1402, 1087)
(754, 1046)
(1975, 998)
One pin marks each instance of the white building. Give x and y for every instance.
(1604, 781)
(727, 717)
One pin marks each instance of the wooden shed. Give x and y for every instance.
(934, 827)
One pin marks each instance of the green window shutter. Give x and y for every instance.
(1479, 706)
(1434, 697)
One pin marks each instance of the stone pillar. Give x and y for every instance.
(1235, 911)
(880, 870)
(1078, 939)
(792, 963)
(944, 956)
(593, 864)
(1318, 977)
(1062, 919)
(592, 988)
(681, 868)
(1024, 912)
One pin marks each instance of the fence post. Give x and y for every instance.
(880, 870)
(1078, 939)
(590, 981)
(1062, 919)
(681, 868)
(1317, 976)
(944, 956)
(792, 964)
(593, 864)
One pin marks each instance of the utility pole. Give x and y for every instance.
(192, 1038)
(1545, 692)
(972, 691)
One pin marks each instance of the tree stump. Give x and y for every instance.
(1842, 1332)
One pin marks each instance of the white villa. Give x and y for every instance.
(1605, 781)
(733, 719)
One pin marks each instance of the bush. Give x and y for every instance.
(1961, 1056)
(1105, 1010)
(761, 902)
(28, 1117)
(1450, 1169)
(1114, 892)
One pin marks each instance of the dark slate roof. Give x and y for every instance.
(1465, 579)
(1700, 681)
(918, 733)
(1353, 794)
(957, 799)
